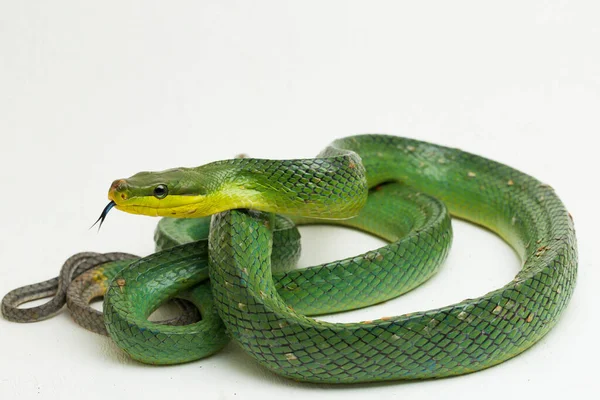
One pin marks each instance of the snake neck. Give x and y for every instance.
(308, 187)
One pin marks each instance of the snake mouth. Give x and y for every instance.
(174, 206)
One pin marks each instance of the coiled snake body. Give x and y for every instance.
(266, 311)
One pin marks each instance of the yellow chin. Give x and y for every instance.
(171, 206)
(176, 206)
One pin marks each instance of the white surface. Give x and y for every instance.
(94, 92)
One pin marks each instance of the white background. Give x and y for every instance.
(94, 92)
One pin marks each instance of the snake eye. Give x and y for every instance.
(161, 191)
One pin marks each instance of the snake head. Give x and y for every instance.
(171, 193)
(179, 192)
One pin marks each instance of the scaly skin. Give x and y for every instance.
(394, 211)
(257, 310)
(307, 187)
(93, 284)
(176, 271)
(82, 278)
(457, 339)
(461, 338)
(56, 288)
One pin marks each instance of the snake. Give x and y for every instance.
(269, 312)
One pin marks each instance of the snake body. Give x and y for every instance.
(267, 312)
(347, 284)
(56, 288)
(82, 279)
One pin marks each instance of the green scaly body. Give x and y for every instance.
(460, 338)
(394, 212)
(267, 312)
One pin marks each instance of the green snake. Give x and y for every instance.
(267, 311)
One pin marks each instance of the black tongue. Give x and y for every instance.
(103, 215)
